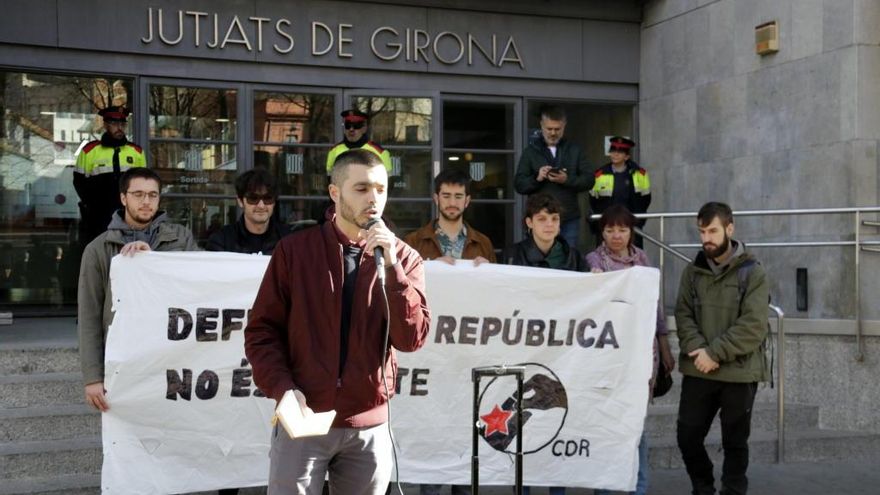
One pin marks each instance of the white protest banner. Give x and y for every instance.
(184, 417)
(587, 341)
(182, 413)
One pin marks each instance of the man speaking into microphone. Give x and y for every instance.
(318, 326)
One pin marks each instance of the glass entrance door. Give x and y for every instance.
(405, 126)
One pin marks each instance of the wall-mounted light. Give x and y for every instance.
(767, 38)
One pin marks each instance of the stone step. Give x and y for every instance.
(24, 460)
(42, 389)
(48, 423)
(67, 484)
(765, 394)
(810, 445)
(21, 361)
(661, 419)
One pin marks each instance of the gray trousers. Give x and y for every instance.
(358, 461)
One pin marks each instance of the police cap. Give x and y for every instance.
(620, 143)
(114, 113)
(353, 115)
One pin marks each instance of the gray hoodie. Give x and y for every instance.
(93, 308)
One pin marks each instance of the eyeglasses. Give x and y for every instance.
(254, 199)
(140, 195)
(354, 125)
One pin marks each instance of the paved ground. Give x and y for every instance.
(828, 478)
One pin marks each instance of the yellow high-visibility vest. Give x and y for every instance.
(369, 145)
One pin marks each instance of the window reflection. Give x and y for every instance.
(195, 168)
(495, 220)
(300, 171)
(398, 121)
(491, 174)
(192, 113)
(203, 216)
(477, 125)
(407, 216)
(46, 120)
(293, 118)
(410, 174)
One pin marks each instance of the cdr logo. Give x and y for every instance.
(545, 407)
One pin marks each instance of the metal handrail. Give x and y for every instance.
(858, 245)
(780, 353)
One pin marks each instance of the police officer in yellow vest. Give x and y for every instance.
(622, 181)
(356, 124)
(99, 166)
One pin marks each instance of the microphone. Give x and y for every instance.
(378, 254)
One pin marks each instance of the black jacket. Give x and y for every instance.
(526, 253)
(635, 203)
(235, 238)
(568, 156)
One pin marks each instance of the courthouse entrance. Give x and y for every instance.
(222, 87)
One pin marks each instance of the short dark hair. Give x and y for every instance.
(542, 201)
(138, 173)
(453, 176)
(713, 209)
(253, 180)
(617, 214)
(553, 112)
(356, 156)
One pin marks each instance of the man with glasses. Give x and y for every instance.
(256, 231)
(137, 226)
(356, 124)
(99, 165)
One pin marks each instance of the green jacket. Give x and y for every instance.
(94, 315)
(710, 315)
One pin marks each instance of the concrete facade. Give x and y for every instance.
(791, 130)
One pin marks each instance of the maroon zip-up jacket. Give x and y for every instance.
(292, 339)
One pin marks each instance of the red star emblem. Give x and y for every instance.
(497, 420)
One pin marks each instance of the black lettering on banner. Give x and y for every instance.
(207, 385)
(177, 386)
(205, 327)
(491, 328)
(175, 316)
(507, 338)
(582, 339)
(241, 382)
(229, 323)
(401, 374)
(571, 448)
(445, 329)
(467, 333)
(535, 332)
(607, 337)
(418, 380)
(551, 336)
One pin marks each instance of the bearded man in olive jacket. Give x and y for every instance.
(721, 317)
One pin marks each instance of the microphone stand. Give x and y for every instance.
(494, 371)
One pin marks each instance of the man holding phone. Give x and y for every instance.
(553, 165)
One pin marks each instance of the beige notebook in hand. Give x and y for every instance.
(298, 423)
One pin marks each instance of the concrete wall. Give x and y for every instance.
(796, 129)
(822, 371)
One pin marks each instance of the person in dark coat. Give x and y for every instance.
(545, 247)
(257, 230)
